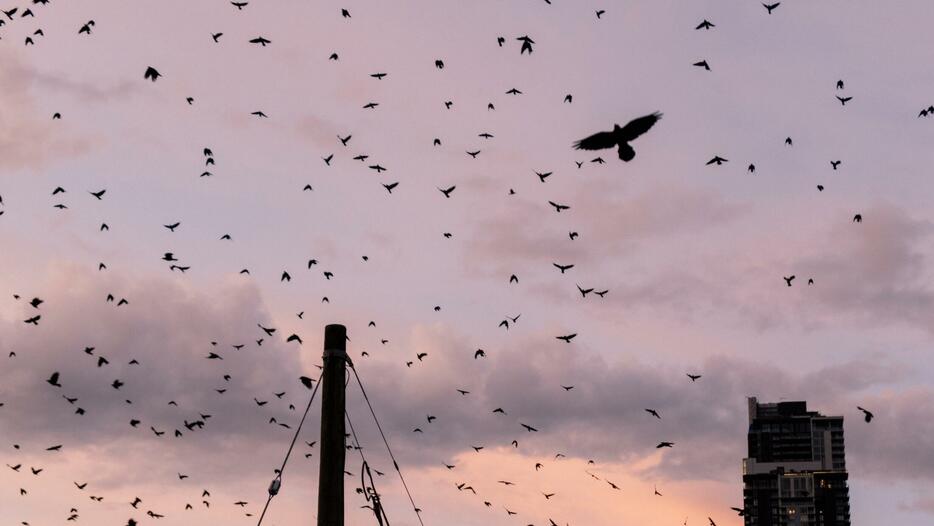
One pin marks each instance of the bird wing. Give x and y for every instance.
(597, 141)
(637, 127)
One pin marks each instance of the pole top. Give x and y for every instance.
(335, 337)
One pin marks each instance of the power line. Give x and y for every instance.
(365, 472)
(385, 441)
(277, 482)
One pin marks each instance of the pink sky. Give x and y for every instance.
(692, 255)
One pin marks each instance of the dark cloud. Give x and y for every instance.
(603, 417)
(168, 327)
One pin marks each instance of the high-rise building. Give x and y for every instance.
(795, 472)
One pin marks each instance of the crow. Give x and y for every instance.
(620, 136)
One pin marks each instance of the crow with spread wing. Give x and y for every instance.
(620, 136)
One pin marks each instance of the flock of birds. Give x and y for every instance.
(620, 138)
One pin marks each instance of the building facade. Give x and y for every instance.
(795, 471)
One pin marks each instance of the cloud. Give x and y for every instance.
(603, 416)
(876, 271)
(612, 224)
(895, 446)
(28, 136)
(168, 328)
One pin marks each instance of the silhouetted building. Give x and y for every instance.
(795, 473)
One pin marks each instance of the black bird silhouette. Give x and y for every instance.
(843, 100)
(789, 279)
(705, 25)
(53, 380)
(702, 64)
(867, 415)
(717, 160)
(620, 136)
(151, 74)
(447, 192)
(693, 377)
(567, 338)
(261, 41)
(770, 7)
(562, 268)
(558, 208)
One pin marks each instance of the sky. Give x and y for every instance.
(692, 255)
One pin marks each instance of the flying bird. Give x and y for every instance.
(620, 136)
(558, 208)
(151, 74)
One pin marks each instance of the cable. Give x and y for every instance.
(277, 482)
(364, 472)
(380, 428)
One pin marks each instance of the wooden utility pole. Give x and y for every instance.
(331, 474)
